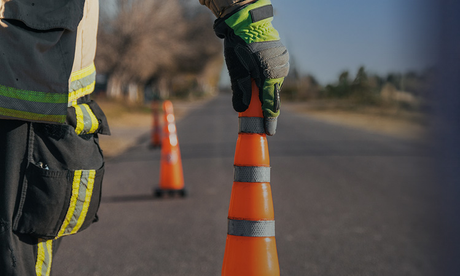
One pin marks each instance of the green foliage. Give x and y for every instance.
(406, 91)
(362, 90)
(289, 92)
(151, 42)
(342, 89)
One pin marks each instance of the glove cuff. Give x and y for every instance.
(251, 22)
(221, 8)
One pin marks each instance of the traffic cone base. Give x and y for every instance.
(171, 177)
(250, 256)
(160, 192)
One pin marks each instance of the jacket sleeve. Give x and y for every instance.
(220, 8)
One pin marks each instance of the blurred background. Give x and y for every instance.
(352, 62)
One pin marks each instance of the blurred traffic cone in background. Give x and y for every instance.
(171, 174)
(251, 247)
(156, 128)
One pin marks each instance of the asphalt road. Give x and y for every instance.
(347, 202)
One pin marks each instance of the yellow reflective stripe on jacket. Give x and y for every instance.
(44, 257)
(82, 73)
(31, 115)
(86, 120)
(43, 106)
(32, 105)
(82, 190)
(82, 83)
(80, 121)
(94, 122)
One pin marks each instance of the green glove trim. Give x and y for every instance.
(244, 27)
(270, 97)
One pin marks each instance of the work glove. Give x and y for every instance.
(253, 50)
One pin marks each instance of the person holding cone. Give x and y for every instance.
(252, 50)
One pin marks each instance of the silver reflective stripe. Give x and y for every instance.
(79, 202)
(32, 107)
(44, 257)
(261, 13)
(88, 124)
(251, 125)
(251, 174)
(83, 82)
(249, 228)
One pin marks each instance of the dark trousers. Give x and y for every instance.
(54, 148)
(18, 254)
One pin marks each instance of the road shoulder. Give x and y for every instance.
(129, 125)
(399, 125)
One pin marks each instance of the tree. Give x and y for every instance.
(150, 41)
(340, 90)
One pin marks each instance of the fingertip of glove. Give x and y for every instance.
(239, 105)
(270, 125)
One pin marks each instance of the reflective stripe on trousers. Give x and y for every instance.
(44, 257)
(82, 189)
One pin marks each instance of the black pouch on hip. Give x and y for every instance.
(61, 191)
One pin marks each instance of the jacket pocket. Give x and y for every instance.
(59, 203)
(61, 192)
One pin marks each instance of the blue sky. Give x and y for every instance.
(326, 37)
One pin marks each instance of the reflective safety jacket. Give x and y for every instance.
(47, 51)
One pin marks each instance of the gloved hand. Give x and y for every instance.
(252, 49)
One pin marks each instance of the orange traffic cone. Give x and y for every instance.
(251, 247)
(171, 174)
(156, 128)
